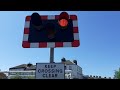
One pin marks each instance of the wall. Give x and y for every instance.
(23, 74)
(76, 71)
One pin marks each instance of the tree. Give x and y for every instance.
(3, 76)
(117, 74)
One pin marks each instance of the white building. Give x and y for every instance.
(75, 71)
(68, 74)
(22, 74)
(72, 70)
(24, 71)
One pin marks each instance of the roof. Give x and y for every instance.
(94, 77)
(24, 66)
(19, 66)
(68, 62)
(33, 67)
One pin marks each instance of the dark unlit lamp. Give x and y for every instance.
(50, 30)
(36, 21)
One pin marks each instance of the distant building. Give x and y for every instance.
(95, 77)
(24, 71)
(23, 67)
(72, 70)
(21, 74)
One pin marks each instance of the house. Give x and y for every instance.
(95, 77)
(72, 70)
(24, 71)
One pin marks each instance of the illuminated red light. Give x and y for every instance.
(63, 22)
(63, 19)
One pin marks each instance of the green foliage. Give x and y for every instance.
(117, 74)
(3, 76)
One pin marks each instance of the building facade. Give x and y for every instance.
(72, 70)
(95, 77)
(23, 71)
(21, 74)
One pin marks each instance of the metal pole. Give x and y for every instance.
(51, 55)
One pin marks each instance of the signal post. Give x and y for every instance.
(51, 31)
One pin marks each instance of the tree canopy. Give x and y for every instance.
(117, 74)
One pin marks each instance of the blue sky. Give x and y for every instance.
(98, 54)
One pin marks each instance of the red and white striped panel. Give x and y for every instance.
(27, 44)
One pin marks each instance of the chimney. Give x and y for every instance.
(75, 61)
(29, 65)
(105, 77)
(63, 59)
(99, 77)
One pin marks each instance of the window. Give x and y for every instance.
(70, 67)
(12, 73)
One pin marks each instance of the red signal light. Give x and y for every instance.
(63, 19)
(63, 22)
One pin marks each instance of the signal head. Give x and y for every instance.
(63, 19)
